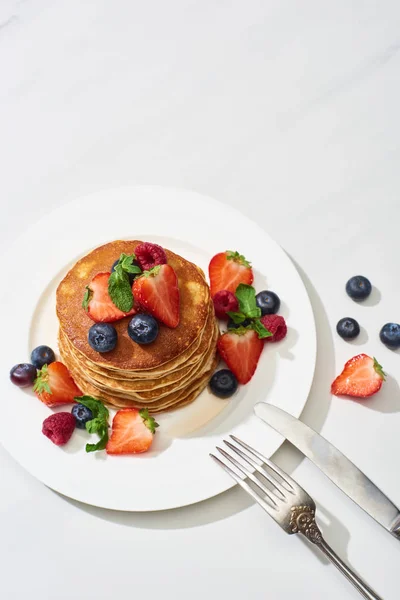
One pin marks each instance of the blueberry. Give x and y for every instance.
(23, 374)
(269, 302)
(130, 275)
(390, 335)
(232, 325)
(82, 415)
(348, 328)
(358, 287)
(42, 355)
(102, 337)
(223, 383)
(143, 329)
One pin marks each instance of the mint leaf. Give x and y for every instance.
(246, 296)
(132, 269)
(120, 289)
(237, 317)
(260, 330)
(239, 258)
(87, 298)
(255, 313)
(148, 420)
(99, 423)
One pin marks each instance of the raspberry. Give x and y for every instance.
(59, 427)
(149, 255)
(224, 301)
(276, 325)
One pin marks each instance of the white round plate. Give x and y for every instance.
(177, 470)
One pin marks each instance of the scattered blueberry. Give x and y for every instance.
(233, 325)
(143, 329)
(130, 275)
(358, 287)
(390, 335)
(102, 337)
(42, 355)
(269, 302)
(82, 415)
(23, 374)
(348, 328)
(223, 383)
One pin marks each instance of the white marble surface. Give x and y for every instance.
(288, 110)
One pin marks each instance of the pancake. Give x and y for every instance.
(170, 343)
(166, 374)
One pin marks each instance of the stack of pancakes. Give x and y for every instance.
(166, 374)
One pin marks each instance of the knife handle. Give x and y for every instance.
(358, 583)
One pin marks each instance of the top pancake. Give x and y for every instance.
(127, 355)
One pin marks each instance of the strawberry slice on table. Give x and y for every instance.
(157, 292)
(98, 304)
(54, 385)
(361, 377)
(132, 432)
(241, 349)
(227, 270)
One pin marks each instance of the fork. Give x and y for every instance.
(284, 500)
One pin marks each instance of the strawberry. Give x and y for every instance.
(132, 432)
(361, 377)
(54, 385)
(241, 349)
(98, 304)
(158, 293)
(227, 270)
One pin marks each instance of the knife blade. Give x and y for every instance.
(334, 465)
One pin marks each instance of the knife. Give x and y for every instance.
(335, 465)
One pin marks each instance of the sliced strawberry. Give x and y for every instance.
(132, 432)
(157, 292)
(361, 377)
(227, 270)
(54, 385)
(241, 350)
(98, 304)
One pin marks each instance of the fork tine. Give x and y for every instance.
(247, 488)
(288, 480)
(278, 487)
(248, 474)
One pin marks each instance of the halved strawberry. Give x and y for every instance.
(361, 377)
(132, 432)
(241, 350)
(54, 385)
(98, 304)
(227, 270)
(157, 292)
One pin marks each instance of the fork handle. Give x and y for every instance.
(358, 583)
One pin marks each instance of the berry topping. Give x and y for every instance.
(143, 329)
(42, 355)
(54, 385)
(98, 304)
(150, 255)
(268, 302)
(23, 374)
(241, 350)
(102, 337)
(82, 415)
(59, 427)
(390, 335)
(358, 287)
(132, 432)
(224, 301)
(158, 293)
(348, 328)
(223, 383)
(227, 270)
(361, 377)
(276, 325)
